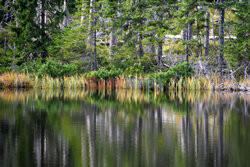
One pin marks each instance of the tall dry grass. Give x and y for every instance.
(72, 82)
(209, 83)
(15, 80)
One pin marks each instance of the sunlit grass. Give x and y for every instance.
(14, 80)
(245, 82)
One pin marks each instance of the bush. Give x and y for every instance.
(5, 69)
(182, 70)
(149, 64)
(105, 74)
(134, 70)
(57, 69)
(176, 72)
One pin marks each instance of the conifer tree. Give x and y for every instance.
(35, 20)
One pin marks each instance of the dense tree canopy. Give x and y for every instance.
(211, 36)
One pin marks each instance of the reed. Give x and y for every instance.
(15, 80)
(245, 82)
(172, 84)
(180, 84)
(72, 82)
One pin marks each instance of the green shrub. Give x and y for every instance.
(182, 70)
(149, 64)
(5, 69)
(57, 69)
(134, 70)
(176, 72)
(105, 74)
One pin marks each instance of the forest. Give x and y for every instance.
(179, 44)
(124, 83)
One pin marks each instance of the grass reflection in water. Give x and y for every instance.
(123, 128)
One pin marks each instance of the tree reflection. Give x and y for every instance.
(130, 128)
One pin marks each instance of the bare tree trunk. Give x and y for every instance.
(113, 43)
(187, 35)
(66, 17)
(206, 38)
(83, 16)
(221, 37)
(38, 12)
(190, 31)
(95, 57)
(93, 34)
(213, 30)
(198, 44)
(159, 50)
(184, 34)
(43, 18)
(140, 46)
(187, 46)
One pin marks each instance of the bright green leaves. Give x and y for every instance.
(176, 72)
(105, 74)
(67, 46)
(57, 69)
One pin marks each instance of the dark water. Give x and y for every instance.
(124, 128)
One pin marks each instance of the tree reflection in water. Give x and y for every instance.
(123, 128)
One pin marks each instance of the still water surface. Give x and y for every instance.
(124, 128)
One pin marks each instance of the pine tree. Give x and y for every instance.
(35, 20)
(238, 48)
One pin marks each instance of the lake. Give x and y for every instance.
(127, 128)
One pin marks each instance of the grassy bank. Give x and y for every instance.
(14, 80)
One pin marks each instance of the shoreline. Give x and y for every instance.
(212, 83)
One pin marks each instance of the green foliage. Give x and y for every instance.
(176, 72)
(4, 69)
(32, 32)
(134, 70)
(37, 32)
(149, 64)
(237, 49)
(57, 69)
(105, 74)
(182, 70)
(6, 54)
(67, 46)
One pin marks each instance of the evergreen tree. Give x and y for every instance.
(238, 48)
(35, 20)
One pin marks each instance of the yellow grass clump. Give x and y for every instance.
(15, 80)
